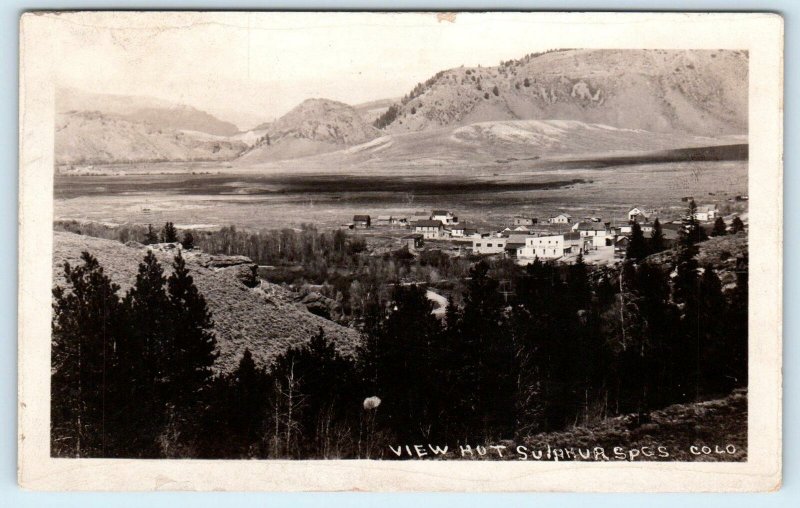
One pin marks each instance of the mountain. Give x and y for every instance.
(265, 319)
(161, 114)
(314, 126)
(91, 137)
(691, 92)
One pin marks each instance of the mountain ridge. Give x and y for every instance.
(694, 92)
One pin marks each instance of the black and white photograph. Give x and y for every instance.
(397, 237)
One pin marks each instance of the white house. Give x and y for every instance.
(562, 218)
(444, 216)
(596, 232)
(489, 245)
(706, 213)
(626, 229)
(462, 230)
(525, 221)
(635, 212)
(542, 247)
(429, 229)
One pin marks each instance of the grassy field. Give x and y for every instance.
(488, 196)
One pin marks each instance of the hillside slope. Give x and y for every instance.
(160, 113)
(83, 137)
(721, 422)
(697, 92)
(314, 126)
(507, 141)
(262, 319)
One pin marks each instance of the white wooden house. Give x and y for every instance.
(706, 213)
(429, 229)
(596, 232)
(562, 218)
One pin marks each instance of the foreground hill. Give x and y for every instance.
(91, 137)
(715, 423)
(697, 92)
(262, 319)
(315, 126)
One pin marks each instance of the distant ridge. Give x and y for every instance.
(700, 92)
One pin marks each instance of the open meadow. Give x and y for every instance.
(487, 196)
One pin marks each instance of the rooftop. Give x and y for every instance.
(428, 223)
(591, 226)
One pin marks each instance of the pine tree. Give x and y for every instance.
(150, 237)
(712, 339)
(637, 248)
(685, 293)
(247, 405)
(188, 241)
(578, 284)
(656, 238)
(194, 346)
(487, 353)
(737, 225)
(85, 330)
(168, 233)
(719, 228)
(146, 352)
(691, 229)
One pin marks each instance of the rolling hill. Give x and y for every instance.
(91, 137)
(265, 319)
(691, 92)
(313, 127)
(159, 113)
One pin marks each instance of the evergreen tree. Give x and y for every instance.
(719, 228)
(194, 343)
(712, 339)
(737, 225)
(637, 248)
(578, 284)
(405, 361)
(691, 229)
(685, 293)
(656, 238)
(85, 330)
(168, 233)
(247, 405)
(145, 354)
(487, 354)
(188, 241)
(150, 237)
(736, 353)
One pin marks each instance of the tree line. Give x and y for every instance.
(532, 349)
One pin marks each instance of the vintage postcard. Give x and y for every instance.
(400, 251)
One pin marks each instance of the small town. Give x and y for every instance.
(558, 238)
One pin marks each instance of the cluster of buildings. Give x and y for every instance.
(556, 237)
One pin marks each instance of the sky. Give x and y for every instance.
(253, 67)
